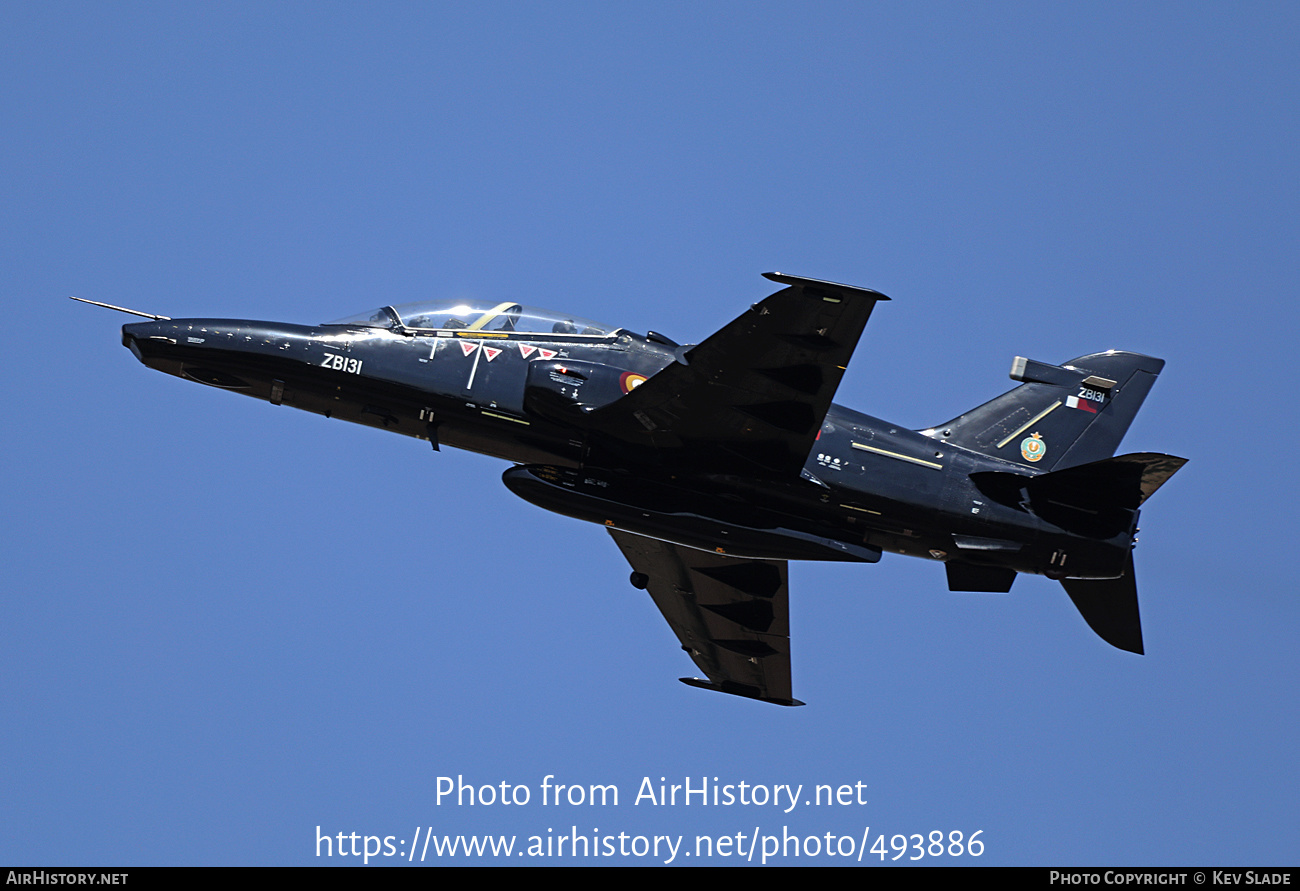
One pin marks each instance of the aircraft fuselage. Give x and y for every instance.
(713, 464)
(867, 486)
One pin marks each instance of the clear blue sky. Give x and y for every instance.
(227, 623)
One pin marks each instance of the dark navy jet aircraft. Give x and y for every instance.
(711, 465)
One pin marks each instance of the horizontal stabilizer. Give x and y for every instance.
(1095, 499)
(1110, 607)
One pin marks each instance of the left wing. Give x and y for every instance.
(752, 396)
(732, 615)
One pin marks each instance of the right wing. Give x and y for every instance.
(752, 396)
(731, 615)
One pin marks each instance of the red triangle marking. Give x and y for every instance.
(526, 350)
(468, 347)
(546, 354)
(491, 352)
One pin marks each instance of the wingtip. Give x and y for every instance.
(800, 281)
(738, 690)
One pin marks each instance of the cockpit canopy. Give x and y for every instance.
(444, 315)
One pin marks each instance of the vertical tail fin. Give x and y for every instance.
(1061, 415)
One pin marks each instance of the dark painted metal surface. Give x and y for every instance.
(729, 453)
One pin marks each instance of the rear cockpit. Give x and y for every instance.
(450, 316)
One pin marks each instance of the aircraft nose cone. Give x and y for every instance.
(137, 336)
(141, 331)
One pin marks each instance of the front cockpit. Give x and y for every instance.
(447, 316)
